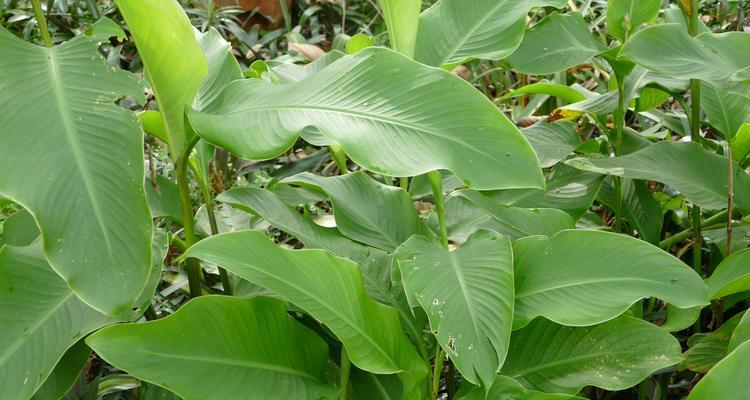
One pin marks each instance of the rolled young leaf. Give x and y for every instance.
(329, 289)
(74, 160)
(251, 343)
(614, 355)
(390, 114)
(468, 297)
(563, 278)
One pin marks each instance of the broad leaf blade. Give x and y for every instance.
(40, 319)
(453, 30)
(73, 159)
(468, 297)
(563, 278)
(251, 343)
(402, 20)
(556, 43)
(377, 99)
(328, 288)
(615, 355)
(721, 381)
(365, 210)
(173, 61)
(730, 276)
(507, 388)
(626, 16)
(697, 173)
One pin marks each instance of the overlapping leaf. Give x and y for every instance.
(468, 297)
(721, 381)
(402, 20)
(564, 278)
(251, 343)
(73, 159)
(418, 118)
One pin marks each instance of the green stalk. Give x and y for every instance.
(695, 106)
(41, 20)
(678, 237)
(436, 181)
(346, 366)
(192, 265)
(619, 131)
(436, 372)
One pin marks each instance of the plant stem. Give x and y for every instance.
(680, 236)
(41, 20)
(695, 106)
(193, 265)
(209, 202)
(437, 372)
(619, 129)
(436, 181)
(346, 366)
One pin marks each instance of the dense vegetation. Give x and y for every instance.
(374, 199)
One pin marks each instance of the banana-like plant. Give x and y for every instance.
(507, 289)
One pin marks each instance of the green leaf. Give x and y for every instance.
(468, 297)
(693, 171)
(518, 222)
(679, 319)
(708, 349)
(566, 93)
(556, 43)
(721, 382)
(568, 189)
(730, 276)
(726, 111)
(65, 374)
(740, 143)
(507, 388)
(552, 141)
(359, 103)
(74, 160)
(330, 290)
(626, 16)
(453, 30)
(20, 229)
(614, 356)
(669, 50)
(563, 278)
(40, 319)
(289, 73)
(173, 61)
(642, 211)
(222, 67)
(741, 333)
(365, 210)
(251, 343)
(164, 199)
(402, 20)
(367, 386)
(358, 42)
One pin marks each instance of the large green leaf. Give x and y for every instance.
(669, 50)
(173, 60)
(568, 189)
(726, 111)
(468, 297)
(402, 20)
(518, 222)
(695, 172)
(164, 199)
(583, 278)
(40, 318)
(418, 118)
(19, 229)
(222, 67)
(329, 289)
(214, 340)
(453, 30)
(723, 379)
(741, 334)
(74, 160)
(626, 16)
(552, 141)
(730, 276)
(615, 355)
(66, 373)
(507, 388)
(642, 211)
(379, 215)
(708, 349)
(556, 43)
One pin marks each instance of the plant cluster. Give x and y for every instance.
(512, 200)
